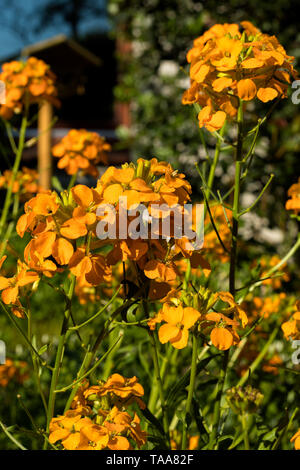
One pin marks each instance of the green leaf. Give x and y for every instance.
(43, 349)
(56, 184)
(153, 420)
(267, 441)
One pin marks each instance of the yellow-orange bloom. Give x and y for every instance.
(228, 64)
(293, 204)
(178, 322)
(81, 150)
(26, 82)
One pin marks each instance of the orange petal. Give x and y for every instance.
(246, 89)
(112, 193)
(82, 195)
(167, 332)
(266, 94)
(10, 295)
(173, 315)
(190, 316)
(73, 229)
(220, 83)
(221, 338)
(182, 340)
(62, 251)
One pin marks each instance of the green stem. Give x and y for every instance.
(283, 432)
(88, 358)
(232, 269)
(11, 437)
(86, 374)
(190, 393)
(21, 332)
(11, 225)
(72, 180)
(34, 363)
(102, 310)
(259, 358)
(214, 164)
(279, 264)
(15, 170)
(159, 383)
(245, 431)
(59, 355)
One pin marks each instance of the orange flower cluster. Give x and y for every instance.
(81, 150)
(97, 420)
(291, 328)
(293, 204)
(26, 82)
(266, 306)
(15, 371)
(26, 182)
(55, 223)
(10, 286)
(227, 64)
(150, 183)
(223, 328)
(63, 230)
(178, 320)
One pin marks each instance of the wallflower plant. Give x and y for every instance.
(157, 299)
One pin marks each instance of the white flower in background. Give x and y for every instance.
(139, 48)
(256, 227)
(273, 236)
(183, 83)
(168, 68)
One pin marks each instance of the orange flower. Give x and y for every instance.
(26, 82)
(293, 204)
(227, 64)
(67, 429)
(291, 328)
(124, 389)
(81, 150)
(296, 440)
(178, 322)
(10, 286)
(223, 335)
(234, 307)
(13, 371)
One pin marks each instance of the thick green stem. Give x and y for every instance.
(188, 405)
(245, 431)
(232, 269)
(213, 166)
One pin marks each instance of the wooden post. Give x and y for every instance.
(44, 145)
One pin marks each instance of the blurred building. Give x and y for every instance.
(86, 75)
